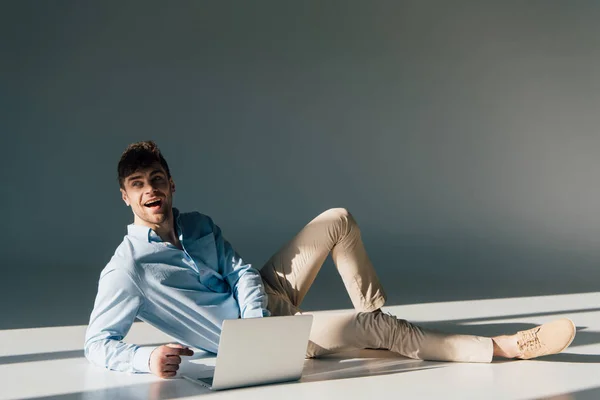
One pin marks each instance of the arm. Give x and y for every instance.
(244, 280)
(117, 304)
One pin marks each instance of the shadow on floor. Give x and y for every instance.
(586, 394)
(163, 389)
(573, 358)
(57, 355)
(583, 336)
(527, 315)
(361, 363)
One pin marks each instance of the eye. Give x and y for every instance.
(137, 184)
(157, 178)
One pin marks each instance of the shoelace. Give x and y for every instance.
(531, 341)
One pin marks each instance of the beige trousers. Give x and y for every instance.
(289, 273)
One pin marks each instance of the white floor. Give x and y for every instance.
(46, 363)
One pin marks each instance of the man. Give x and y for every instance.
(176, 272)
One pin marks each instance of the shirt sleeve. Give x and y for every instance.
(117, 304)
(244, 280)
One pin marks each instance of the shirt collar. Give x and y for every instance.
(145, 233)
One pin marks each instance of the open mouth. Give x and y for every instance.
(153, 204)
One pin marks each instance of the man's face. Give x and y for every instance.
(149, 193)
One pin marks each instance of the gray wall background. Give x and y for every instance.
(463, 136)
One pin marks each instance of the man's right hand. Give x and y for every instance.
(165, 360)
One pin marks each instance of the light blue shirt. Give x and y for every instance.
(185, 293)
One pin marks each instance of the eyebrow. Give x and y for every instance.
(133, 178)
(156, 171)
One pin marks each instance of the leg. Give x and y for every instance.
(289, 274)
(343, 331)
(293, 269)
(332, 333)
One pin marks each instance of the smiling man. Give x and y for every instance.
(177, 272)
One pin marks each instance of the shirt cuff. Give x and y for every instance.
(256, 313)
(141, 359)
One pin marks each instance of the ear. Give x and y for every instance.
(172, 185)
(124, 197)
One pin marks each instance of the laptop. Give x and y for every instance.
(259, 351)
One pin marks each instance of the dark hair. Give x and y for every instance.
(138, 156)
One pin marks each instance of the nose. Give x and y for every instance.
(151, 187)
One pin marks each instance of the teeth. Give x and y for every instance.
(151, 202)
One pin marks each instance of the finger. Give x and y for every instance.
(187, 352)
(173, 360)
(179, 351)
(169, 374)
(170, 368)
(176, 346)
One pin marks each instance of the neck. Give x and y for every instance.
(165, 230)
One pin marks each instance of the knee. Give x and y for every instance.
(344, 218)
(338, 212)
(339, 221)
(337, 215)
